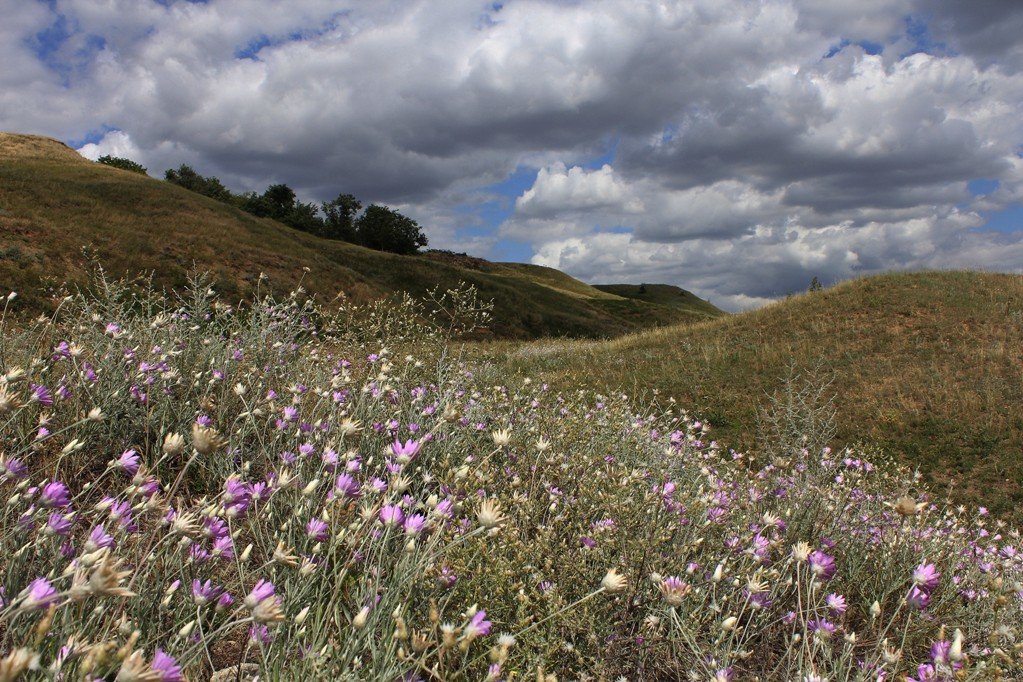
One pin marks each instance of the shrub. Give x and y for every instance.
(186, 176)
(123, 164)
(385, 229)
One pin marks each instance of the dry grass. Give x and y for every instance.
(928, 365)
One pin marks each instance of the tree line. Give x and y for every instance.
(343, 218)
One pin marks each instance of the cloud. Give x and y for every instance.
(786, 138)
(559, 189)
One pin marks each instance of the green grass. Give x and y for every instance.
(54, 204)
(926, 365)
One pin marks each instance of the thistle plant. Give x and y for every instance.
(191, 485)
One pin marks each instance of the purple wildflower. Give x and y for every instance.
(316, 529)
(391, 515)
(940, 651)
(259, 634)
(41, 395)
(261, 591)
(98, 539)
(128, 462)
(346, 486)
(822, 565)
(414, 524)
(39, 594)
(14, 467)
(224, 548)
(55, 494)
(821, 627)
(918, 599)
(237, 495)
(926, 576)
(204, 593)
(477, 627)
(58, 524)
(166, 667)
(836, 603)
(405, 451)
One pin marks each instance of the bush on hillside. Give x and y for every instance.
(187, 177)
(123, 164)
(385, 229)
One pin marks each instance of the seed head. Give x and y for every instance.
(490, 515)
(801, 551)
(106, 579)
(613, 581)
(173, 444)
(502, 437)
(205, 439)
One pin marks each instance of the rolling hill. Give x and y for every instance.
(55, 203)
(661, 294)
(928, 366)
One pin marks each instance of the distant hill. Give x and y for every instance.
(928, 365)
(54, 202)
(662, 294)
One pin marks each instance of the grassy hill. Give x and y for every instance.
(661, 294)
(53, 203)
(928, 365)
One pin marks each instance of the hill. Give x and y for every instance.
(53, 203)
(661, 294)
(926, 365)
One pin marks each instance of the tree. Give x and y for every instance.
(185, 176)
(815, 284)
(280, 203)
(384, 229)
(123, 164)
(340, 216)
(304, 217)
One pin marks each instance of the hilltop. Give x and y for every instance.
(54, 203)
(926, 365)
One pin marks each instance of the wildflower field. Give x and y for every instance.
(279, 490)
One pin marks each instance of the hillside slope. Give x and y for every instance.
(927, 365)
(53, 203)
(661, 294)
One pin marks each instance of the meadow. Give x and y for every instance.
(191, 485)
(924, 365)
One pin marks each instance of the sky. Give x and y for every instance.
(736, 149)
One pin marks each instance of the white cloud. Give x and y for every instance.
(747, 160)
(559, 189)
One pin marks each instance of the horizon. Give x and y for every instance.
(735, 150)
